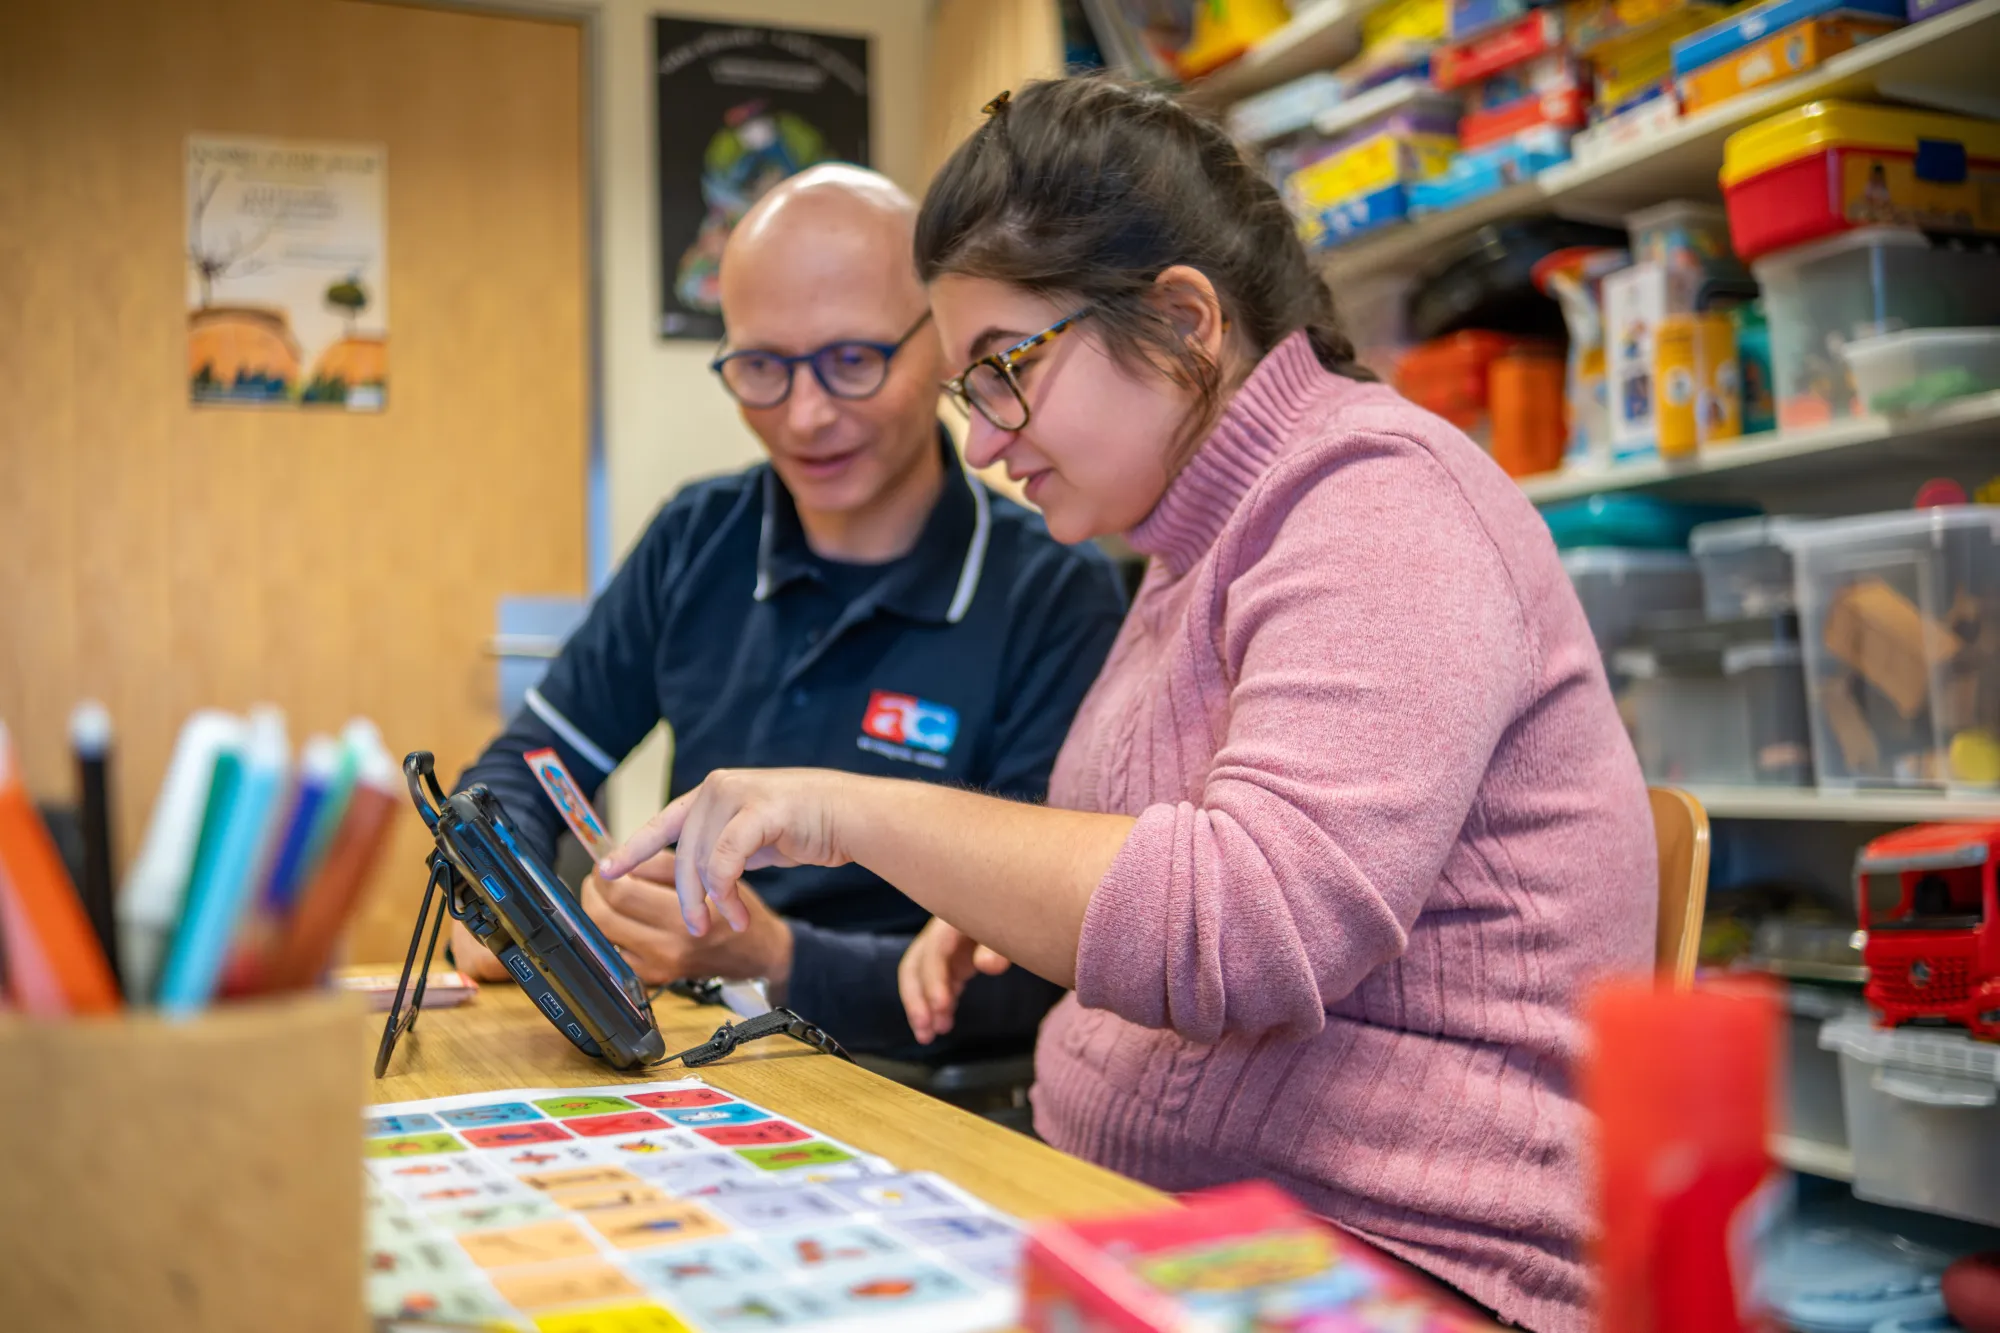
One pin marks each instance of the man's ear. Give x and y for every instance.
(1191, 304)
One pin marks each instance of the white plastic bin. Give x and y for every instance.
(1734, 714)
(1923, 1116)
(1618, 585)
(1745, 568)
(1813, 1107)
(1920, 368)
(1899, 614)
(1821, 296)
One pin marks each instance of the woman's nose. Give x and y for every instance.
(985, 442)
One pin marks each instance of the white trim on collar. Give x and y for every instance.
(975, 551)
(567, 729)
(762, 591)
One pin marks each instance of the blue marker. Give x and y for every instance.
(319, 767)
(225, 883)
(358, 740)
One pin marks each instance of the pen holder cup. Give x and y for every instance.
(198, 1176)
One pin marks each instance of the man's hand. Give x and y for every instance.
(641, 915)
(933, 973)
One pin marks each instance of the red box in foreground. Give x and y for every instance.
(1243, 1256)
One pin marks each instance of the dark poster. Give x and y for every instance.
(740, 109)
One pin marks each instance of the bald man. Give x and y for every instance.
(858, 602)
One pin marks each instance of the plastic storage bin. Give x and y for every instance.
(1632, 520)
(1832, 166)
(1720, 702)
(1618, 586)
(1920, 368)
(1923, 1117)
(1813, 1107)
(1842, 1279)
(1746, 569)
(1822, 296)
(1900, 619)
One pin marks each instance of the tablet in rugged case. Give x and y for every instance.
(518, 908)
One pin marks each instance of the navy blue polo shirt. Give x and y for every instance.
(961, 662)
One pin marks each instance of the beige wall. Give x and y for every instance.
(665, 420)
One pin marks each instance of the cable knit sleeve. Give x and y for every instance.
(1373, 655)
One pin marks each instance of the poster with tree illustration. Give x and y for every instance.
(741, 108)
(287, 273)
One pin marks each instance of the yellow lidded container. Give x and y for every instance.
(1831, 166)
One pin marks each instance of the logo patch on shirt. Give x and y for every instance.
(902, 726)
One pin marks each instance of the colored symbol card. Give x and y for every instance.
(570, 802)
(666, 1208)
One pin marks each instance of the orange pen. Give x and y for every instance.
(47, 904)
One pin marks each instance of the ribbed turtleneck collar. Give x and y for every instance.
(1252, 433)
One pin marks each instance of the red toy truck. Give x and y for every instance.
(1931, 925)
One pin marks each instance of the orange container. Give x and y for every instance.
(1525, 398)
(1449, 376)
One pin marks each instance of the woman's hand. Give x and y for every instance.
(737, 820)
(933, 973)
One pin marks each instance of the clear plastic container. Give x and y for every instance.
(1920, 368)
(1847, 1279)
(1900, 617)
(1731, 714)
(1923, 1116)
(1812, 1075)
(1618, 586)
(1745, 568)
(1821, 296)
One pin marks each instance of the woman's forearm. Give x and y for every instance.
(1015, 877)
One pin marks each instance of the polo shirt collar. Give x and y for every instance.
(934, 582)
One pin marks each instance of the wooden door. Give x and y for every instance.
(163, 557)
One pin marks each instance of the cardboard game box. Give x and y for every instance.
(1236, 1259)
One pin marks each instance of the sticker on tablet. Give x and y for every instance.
(570, 802)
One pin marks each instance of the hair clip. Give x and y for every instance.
(998, 104)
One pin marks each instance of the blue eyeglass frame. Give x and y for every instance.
(887, 351)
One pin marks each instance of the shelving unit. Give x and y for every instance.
(1848, 466)
(1947, 61)
(1942, 435)
(1806, 803)
(1818, 1159)
(1320, 36)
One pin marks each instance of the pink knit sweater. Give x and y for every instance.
(1389, 828)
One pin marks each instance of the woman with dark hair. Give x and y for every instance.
(1348, 821)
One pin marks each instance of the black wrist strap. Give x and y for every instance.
(778, 1021)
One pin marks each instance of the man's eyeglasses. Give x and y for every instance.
(989, 385)
(849, 369)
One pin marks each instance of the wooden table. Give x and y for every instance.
(501, 1041)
